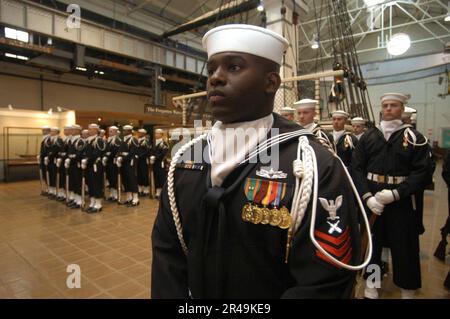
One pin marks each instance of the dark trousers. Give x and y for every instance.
(111, 174)
(94, 180)
(52, 173)
(160, 175)
(397, 229)
(142, 176)
(129, 178)
(75, 178)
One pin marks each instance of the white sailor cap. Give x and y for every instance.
(246, 39)
(358, 120)
(340, 113)
(141, 130)
(408, 112)
(45, 127)
(113, 128)
(159, 130)
(93, 125)
(306, 104)
(68, 127)
(395, 96)
(76, 127)
(287, 110)
(54, 129)
(84, 131)
(128, 127)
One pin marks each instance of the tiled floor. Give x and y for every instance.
(39, 238)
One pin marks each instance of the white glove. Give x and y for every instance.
(375, 206)
(67, 163)
(386, 196)
(104, 161)
(152, 159)
(46, 161)
(119, 161)
(84, 163)
(58, 162)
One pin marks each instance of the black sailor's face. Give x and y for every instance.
(238, 87)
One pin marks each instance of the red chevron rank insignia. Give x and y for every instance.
(339, 247)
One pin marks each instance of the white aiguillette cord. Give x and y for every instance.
(302, 193)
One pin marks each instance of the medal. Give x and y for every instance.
(271, 194)
(266, 214)
(285, 218)
(247, 212)
(275, 217)
(256, 216)
(251, 188)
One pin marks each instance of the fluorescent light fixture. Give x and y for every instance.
(14, 56)
(14, 34)
(399, 44)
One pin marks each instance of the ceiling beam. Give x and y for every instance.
(225, 11)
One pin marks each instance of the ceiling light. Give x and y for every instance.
(399, 44)
(315, 43)
(260, 7)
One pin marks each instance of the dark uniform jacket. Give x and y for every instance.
(345, 146)
(231, 258)
(160, 151)
(325, 138)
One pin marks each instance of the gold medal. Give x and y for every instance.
(286, 219)
(265, 216)
(247, 212)
(257, 215)
(275, 217)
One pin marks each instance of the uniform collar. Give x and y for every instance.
(225, 155)
(337, 134)
(91, 138)
(127, 137)
(310, 127)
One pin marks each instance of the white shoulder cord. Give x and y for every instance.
(302, 197)
(349, 140)
(409, 133)
(171, 190)
(325, 141)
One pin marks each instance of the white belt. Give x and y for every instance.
(386, 179)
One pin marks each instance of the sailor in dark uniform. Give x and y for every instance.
(390, 164)
(359, 126)
(56, 144)
(92, 164)
(344, 141)
(142, 164)
(126, 162)
(288, 113)
(112, 147)
(241, 228)
(73, 163)
(409, 118)
(45, 146)
(306, 111)
(62, 156)
(158, 155)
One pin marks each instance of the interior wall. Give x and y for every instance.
(26, 93)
